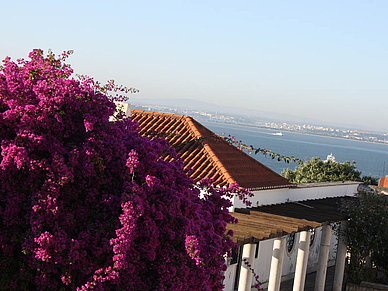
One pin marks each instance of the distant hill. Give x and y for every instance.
(182, 104)
(192, 104)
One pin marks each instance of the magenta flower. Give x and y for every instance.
(132, 161)
(150, 180)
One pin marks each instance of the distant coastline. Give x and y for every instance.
(371, 158)
(293, 131)
(266, 123)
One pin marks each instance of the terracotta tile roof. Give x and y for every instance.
(206, 155)
(269, 221)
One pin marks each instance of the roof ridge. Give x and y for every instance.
(190, 122)
(214, 157)
(224, 170)
(159, 113)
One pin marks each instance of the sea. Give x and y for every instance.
(370, 158)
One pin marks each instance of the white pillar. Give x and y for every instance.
(275, 273)
(340, 259)
(301, 260)
(323, 257)
(245, 281)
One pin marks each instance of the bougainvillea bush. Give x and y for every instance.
(86, 203)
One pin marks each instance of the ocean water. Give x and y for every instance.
(371, 158)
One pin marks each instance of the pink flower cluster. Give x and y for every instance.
(193, 249)
(132, 161)
(74, 214)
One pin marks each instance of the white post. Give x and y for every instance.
(124, 107)
(245, 281)
(340, 259)
(275, 273)
(301, 260)
(323, 257)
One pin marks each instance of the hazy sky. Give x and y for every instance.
(326, 60)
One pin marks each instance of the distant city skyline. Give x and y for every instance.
(261, 120)
(325, 61)
(186, 106)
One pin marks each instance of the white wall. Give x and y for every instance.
(264, 197)
(299, 193)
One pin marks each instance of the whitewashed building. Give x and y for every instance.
(289, 236)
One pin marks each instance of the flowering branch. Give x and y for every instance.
(107, 88)
(251, 149)
(249, 266)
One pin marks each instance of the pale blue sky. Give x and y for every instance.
(326, 60)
